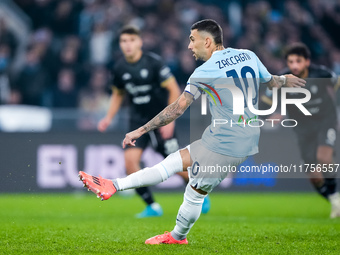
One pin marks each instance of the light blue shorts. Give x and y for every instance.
(209, 168)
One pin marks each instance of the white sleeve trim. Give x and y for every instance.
(193, 90)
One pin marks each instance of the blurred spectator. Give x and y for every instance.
(42, 42)
(100, 44)
(38, 10)
(65, 94)
(68, 58)
(186, 67)
(169, 55)
(95, 98)
(151, 41)
(91, 13)
(33, 80)
(235, 17)
(7, 37)
(5, 88)
(79, 34)
(64, 18)
(336, 61)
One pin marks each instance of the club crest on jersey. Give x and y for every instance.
(208, 92)
(144, 73)
(126, 76)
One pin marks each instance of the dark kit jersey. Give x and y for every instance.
(320, 83)
(142, 83)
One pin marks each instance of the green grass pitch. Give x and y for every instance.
(238, 223)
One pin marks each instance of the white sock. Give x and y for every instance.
(188, 213)
(152, 175)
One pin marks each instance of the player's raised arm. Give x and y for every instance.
(169, 114)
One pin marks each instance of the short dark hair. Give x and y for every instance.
(210, 26)
(131, 30)
(299, 49)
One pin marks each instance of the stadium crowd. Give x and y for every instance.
(73, 43)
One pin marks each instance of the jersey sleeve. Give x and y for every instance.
(265, 76)
(195, 84)
(193, 89)
(333, 78)
(164, 72)
(116, 79)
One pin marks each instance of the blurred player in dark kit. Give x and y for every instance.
(316, 134)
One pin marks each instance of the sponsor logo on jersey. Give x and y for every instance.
(135, 90)
(208, 92)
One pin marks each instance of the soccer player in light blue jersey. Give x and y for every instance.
(222, 72)
(223, 145)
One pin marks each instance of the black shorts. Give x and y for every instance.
(315, 134)
(154, 138)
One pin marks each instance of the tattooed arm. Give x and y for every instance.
(169, 114)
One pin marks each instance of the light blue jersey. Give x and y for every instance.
(230, 134)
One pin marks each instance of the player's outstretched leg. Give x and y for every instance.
(146, 177)
(188, 214)
(104, 188)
